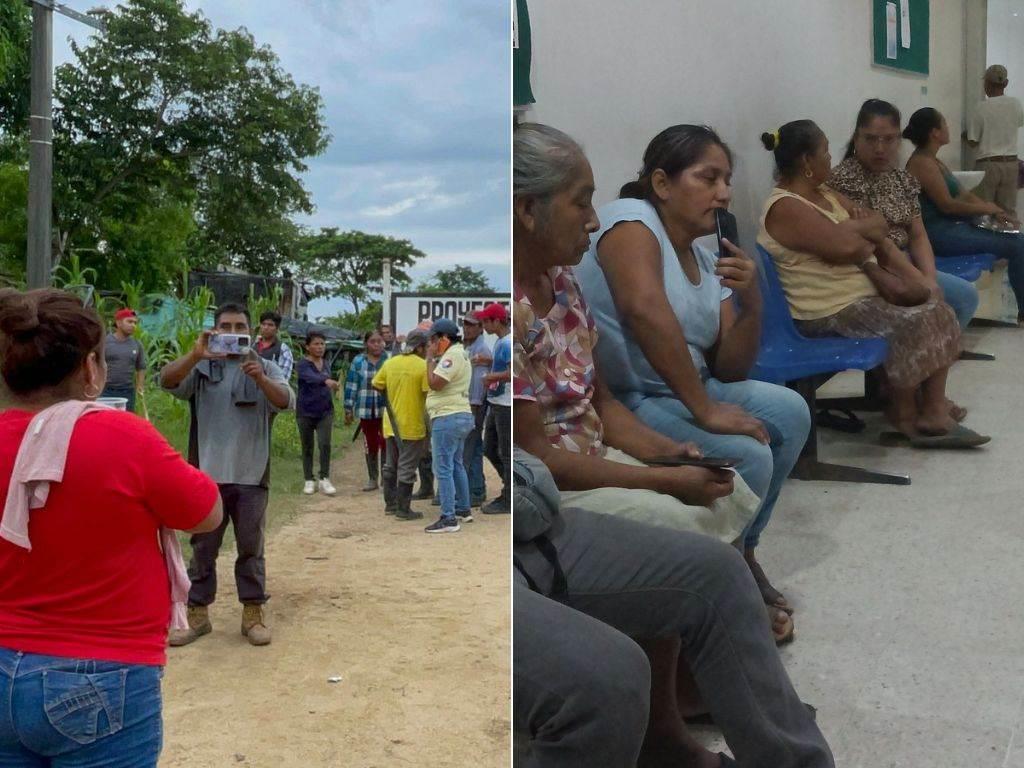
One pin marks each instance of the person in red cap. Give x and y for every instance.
(126, 359)
(498, 427)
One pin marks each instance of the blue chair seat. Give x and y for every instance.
(968, 267)
(785, 355)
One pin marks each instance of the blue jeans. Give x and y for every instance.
(447, 439)
(960, 238)
(961, 296)
(473, 454)
(126, 392)
(764, 467)
(71, 713)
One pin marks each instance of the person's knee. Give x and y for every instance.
(794, 417)
(755, 465)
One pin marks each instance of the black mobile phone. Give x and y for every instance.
(683, 461)
(725, 228)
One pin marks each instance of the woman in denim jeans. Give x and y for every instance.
(85, 600)
(451, 420)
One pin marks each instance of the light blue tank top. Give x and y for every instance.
(621, 361)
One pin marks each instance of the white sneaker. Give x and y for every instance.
(326, 488)
(309, 488)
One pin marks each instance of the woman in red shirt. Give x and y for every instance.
(84, 587)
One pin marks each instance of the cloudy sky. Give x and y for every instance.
(417, 100)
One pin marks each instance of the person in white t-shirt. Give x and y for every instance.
(993, 133)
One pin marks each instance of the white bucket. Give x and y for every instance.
(117, 403)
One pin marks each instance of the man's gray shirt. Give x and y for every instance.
(234, 440)
(123, 358)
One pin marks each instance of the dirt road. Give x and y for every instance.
(416, 626)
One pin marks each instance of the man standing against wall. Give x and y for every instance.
(479, 352)
(391, 345)
(271, 347)
(232, 398)
(126, 360)
(498, 428)
(993, 132)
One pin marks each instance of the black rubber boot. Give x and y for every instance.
(372, 470)
(390, 492)
(405, 510)
(426, 490)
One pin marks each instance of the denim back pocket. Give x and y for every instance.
(84, 707)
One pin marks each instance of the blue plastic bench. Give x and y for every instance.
(967, 268)
(802, 363)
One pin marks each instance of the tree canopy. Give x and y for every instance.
(351, 264)
(458, 279)
(173, 138)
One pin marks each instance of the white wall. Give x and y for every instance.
(613, 73)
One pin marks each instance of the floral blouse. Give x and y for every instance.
(894, 194)
(553, 364)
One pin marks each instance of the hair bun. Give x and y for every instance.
(769, 141)
(19, 314)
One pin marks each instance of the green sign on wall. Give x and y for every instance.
(900, 34)
(522, 93)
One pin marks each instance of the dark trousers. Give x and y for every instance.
(498, 444)
(125, 392)
(649, 583)
(574, 709)
(321, 427)
(473, 454)
(245, 506)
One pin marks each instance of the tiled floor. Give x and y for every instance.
(910, 600)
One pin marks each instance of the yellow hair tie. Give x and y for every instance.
(776, 136)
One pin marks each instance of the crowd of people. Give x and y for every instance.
(648, 463)
(101, 558)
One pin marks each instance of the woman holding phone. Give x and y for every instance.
(451, 421)
(654, 291)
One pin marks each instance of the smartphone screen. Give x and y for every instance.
(683, 461)
(725, 226)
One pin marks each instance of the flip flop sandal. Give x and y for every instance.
(960, 437)
(769, 594)
(706, 719)
(840, 419)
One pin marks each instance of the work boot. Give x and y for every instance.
(426, 490)
(390, 492)
(372, 469)
(198, 625)
(252, 625)
(405, 510)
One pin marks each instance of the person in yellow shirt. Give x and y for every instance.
(451, 421)
(403, 380)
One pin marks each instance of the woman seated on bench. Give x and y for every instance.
(946, 208)
(869, 177)
(654, 292)
(705, 614)
(844, 276)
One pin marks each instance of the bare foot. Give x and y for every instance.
(769, 594)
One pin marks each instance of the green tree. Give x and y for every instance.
(15, 45)
(13, 224)
(163, 115)
(458, 279)
(365, 320)
(351, 264)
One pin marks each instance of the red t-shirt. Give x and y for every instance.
(94, 584)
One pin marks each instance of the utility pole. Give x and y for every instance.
(40, 158)
(386, 294)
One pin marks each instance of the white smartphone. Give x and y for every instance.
(229, 343)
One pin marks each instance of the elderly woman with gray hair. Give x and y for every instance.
(643, 549)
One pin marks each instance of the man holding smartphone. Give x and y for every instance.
(232, 397)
